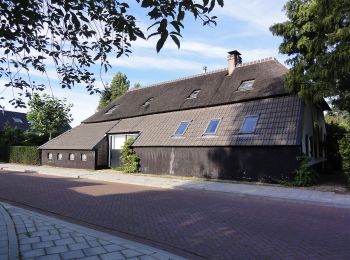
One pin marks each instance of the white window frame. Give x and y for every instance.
(111, 109)
(212, 134)
(69, 156)
(50, 156)
(188, 124)
(244, 120)
(241, 88)
(196, 92)
(58, 156)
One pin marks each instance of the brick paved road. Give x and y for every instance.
(212, 225)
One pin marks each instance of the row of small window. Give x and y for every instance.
(71, 156)
(248, 126)
(244, 86)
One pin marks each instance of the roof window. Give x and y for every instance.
(17, 120)
(181, 129)
(148, 103)
(246, 85)
(212, 126)
(194, 94)
(112, 109)
(249, 124)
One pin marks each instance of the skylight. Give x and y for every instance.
(249, 124)
(112, 109)
(212, 126)
(246, 85)
(181, 129)
(194, 94)
(17, 120)
(147, 103)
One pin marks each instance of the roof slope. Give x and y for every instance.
(84, 137)
(277, 124)
(14, 119)
(215, 88)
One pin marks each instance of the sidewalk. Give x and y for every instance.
(28, 235)
(267, 191)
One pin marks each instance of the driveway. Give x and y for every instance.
(193, 223)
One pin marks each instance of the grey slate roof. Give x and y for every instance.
(216, 88)
(82, 137)
(277, 125)
(14, 119)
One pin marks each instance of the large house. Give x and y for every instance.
(235, 123)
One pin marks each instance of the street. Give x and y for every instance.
(196, 224)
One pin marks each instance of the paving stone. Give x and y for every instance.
(34, 253)
(56, 249)
(77, 246)
(94, 251)
(42, 244)
(64, 241)
(112, 256)
(90, 258)
(79, 239)
(72, 254)
(146, 257)
(39, 233)
(130, 253)
(94, 243)
(29, 240)
(50, 237)
(4, 256)
(113, 248)
(49, 257)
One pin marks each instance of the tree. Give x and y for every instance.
(119, 85)
(73, 35)
(137, 85)
(48, 115)
(316, 36)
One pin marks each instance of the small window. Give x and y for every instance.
(194, 94)
(147, 103)
(59, 157)
(49, 156)
(246, 85)
(17, 120)
(83, 157)
(112, 109)
(212, 126)
(249, 125)
(181, 129)
(71, 156)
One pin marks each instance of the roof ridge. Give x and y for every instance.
(179, 79)
(256, 61)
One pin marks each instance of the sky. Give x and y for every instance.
(241, 25)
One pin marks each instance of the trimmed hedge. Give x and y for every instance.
(24, 154)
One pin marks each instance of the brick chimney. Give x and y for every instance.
(233, 59)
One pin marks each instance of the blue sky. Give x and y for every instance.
(242, 25)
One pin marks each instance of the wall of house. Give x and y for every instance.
(313, 133)
(65, 162)
(267, 163)
(102, 153)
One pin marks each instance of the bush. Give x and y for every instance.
(304, 176)
(129, 159)
(24, 154)
(344, 149)
(4, 153)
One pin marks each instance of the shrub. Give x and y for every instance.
(4, 153)
(24, 154)
(129, 159)
(304, 176)
(344, 149)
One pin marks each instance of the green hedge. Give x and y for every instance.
(24, 154)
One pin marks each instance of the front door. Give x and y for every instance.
(116, 143)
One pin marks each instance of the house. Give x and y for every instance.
(235, 123)
(13, 120)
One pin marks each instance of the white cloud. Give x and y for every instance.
(260, 14)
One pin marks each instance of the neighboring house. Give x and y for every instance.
(14, 120)
(235, 123)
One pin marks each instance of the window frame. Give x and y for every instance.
(58, 157)
(180, 135)
(257, 116)
(246, 89)
(81, 157)
(69, 157)
(216, 129)
(111, 109)
(196, 92)
(50, 156)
